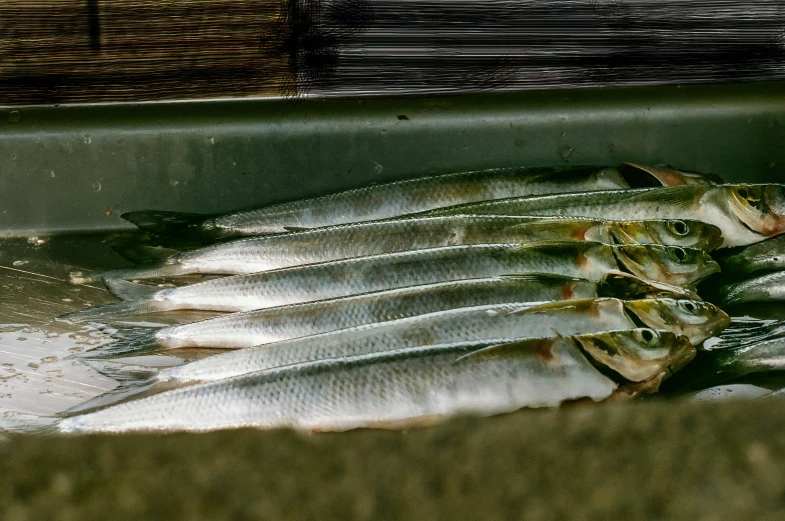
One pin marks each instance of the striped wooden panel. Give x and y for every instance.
(63, 51)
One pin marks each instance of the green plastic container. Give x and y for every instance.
(80, 167)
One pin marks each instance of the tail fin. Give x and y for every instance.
(165, 223)
(132, 379)
(16, 422)
(136, 299)
(166, 270)
(143, 254)
(130, 341)
(125, 290)
(113, 311)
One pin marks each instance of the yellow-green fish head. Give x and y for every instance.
(670, 264)
(670, 232)
(694, 319)
(638, 354)
(760, 208)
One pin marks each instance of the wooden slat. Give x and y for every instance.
(60, 51)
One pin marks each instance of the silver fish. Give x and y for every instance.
(768, 255)
(467, 324)
(579, 259)
(238, 330)
(271, 252)
(746, 214)
(764, 288)
(384, 201)
(403, 388)
(394, 199)
(250, 328)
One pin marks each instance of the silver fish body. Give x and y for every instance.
(389, 200)
(746, 214)
(768, 255)
(763, 288)
(460, 325)
(252, 255)
(578, 259)
(238, 330)
(401, 388)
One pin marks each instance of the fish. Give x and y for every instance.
(402, 388)
(580, 259)
(768, 255)
(697, 320)
(265, 253)
(467, 324)
(745, 214)
(250, 328)
(769, 287)
(733, 358)
(383, 201)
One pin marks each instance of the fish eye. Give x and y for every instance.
(679, 254)
(689, 306)
(647, 335)
(680, 228)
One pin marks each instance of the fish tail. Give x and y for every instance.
(165, 223)
(154, 272)
(132, 380)
(28, 423)
(129, 341)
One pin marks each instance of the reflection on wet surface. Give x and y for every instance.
(38, 374)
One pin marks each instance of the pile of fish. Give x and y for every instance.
(401, 304)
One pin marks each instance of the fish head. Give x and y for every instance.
(759, 208)
(694, 319)
(668, 176)
(670, 264)
(638, 354)
(671, 232)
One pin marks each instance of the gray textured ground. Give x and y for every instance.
(647, 461)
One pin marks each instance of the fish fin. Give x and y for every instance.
(119, 309)
(681, 197)
(122, 392)
(539, 277)
(126, 290)
(143, 254)
(110, 278)
(518, 347)
(163, 222)
(557, 304)
(129, 341)
(617, 284)
(296, 228)
(16, 422)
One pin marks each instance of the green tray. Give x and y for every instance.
(80, 167)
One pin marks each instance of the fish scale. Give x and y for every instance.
(270, 252)
(746, 214)
(469, 324)
(587, 260)
(337, 395)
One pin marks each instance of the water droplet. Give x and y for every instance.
(88, 140)
(20, 263)
(97, 186)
